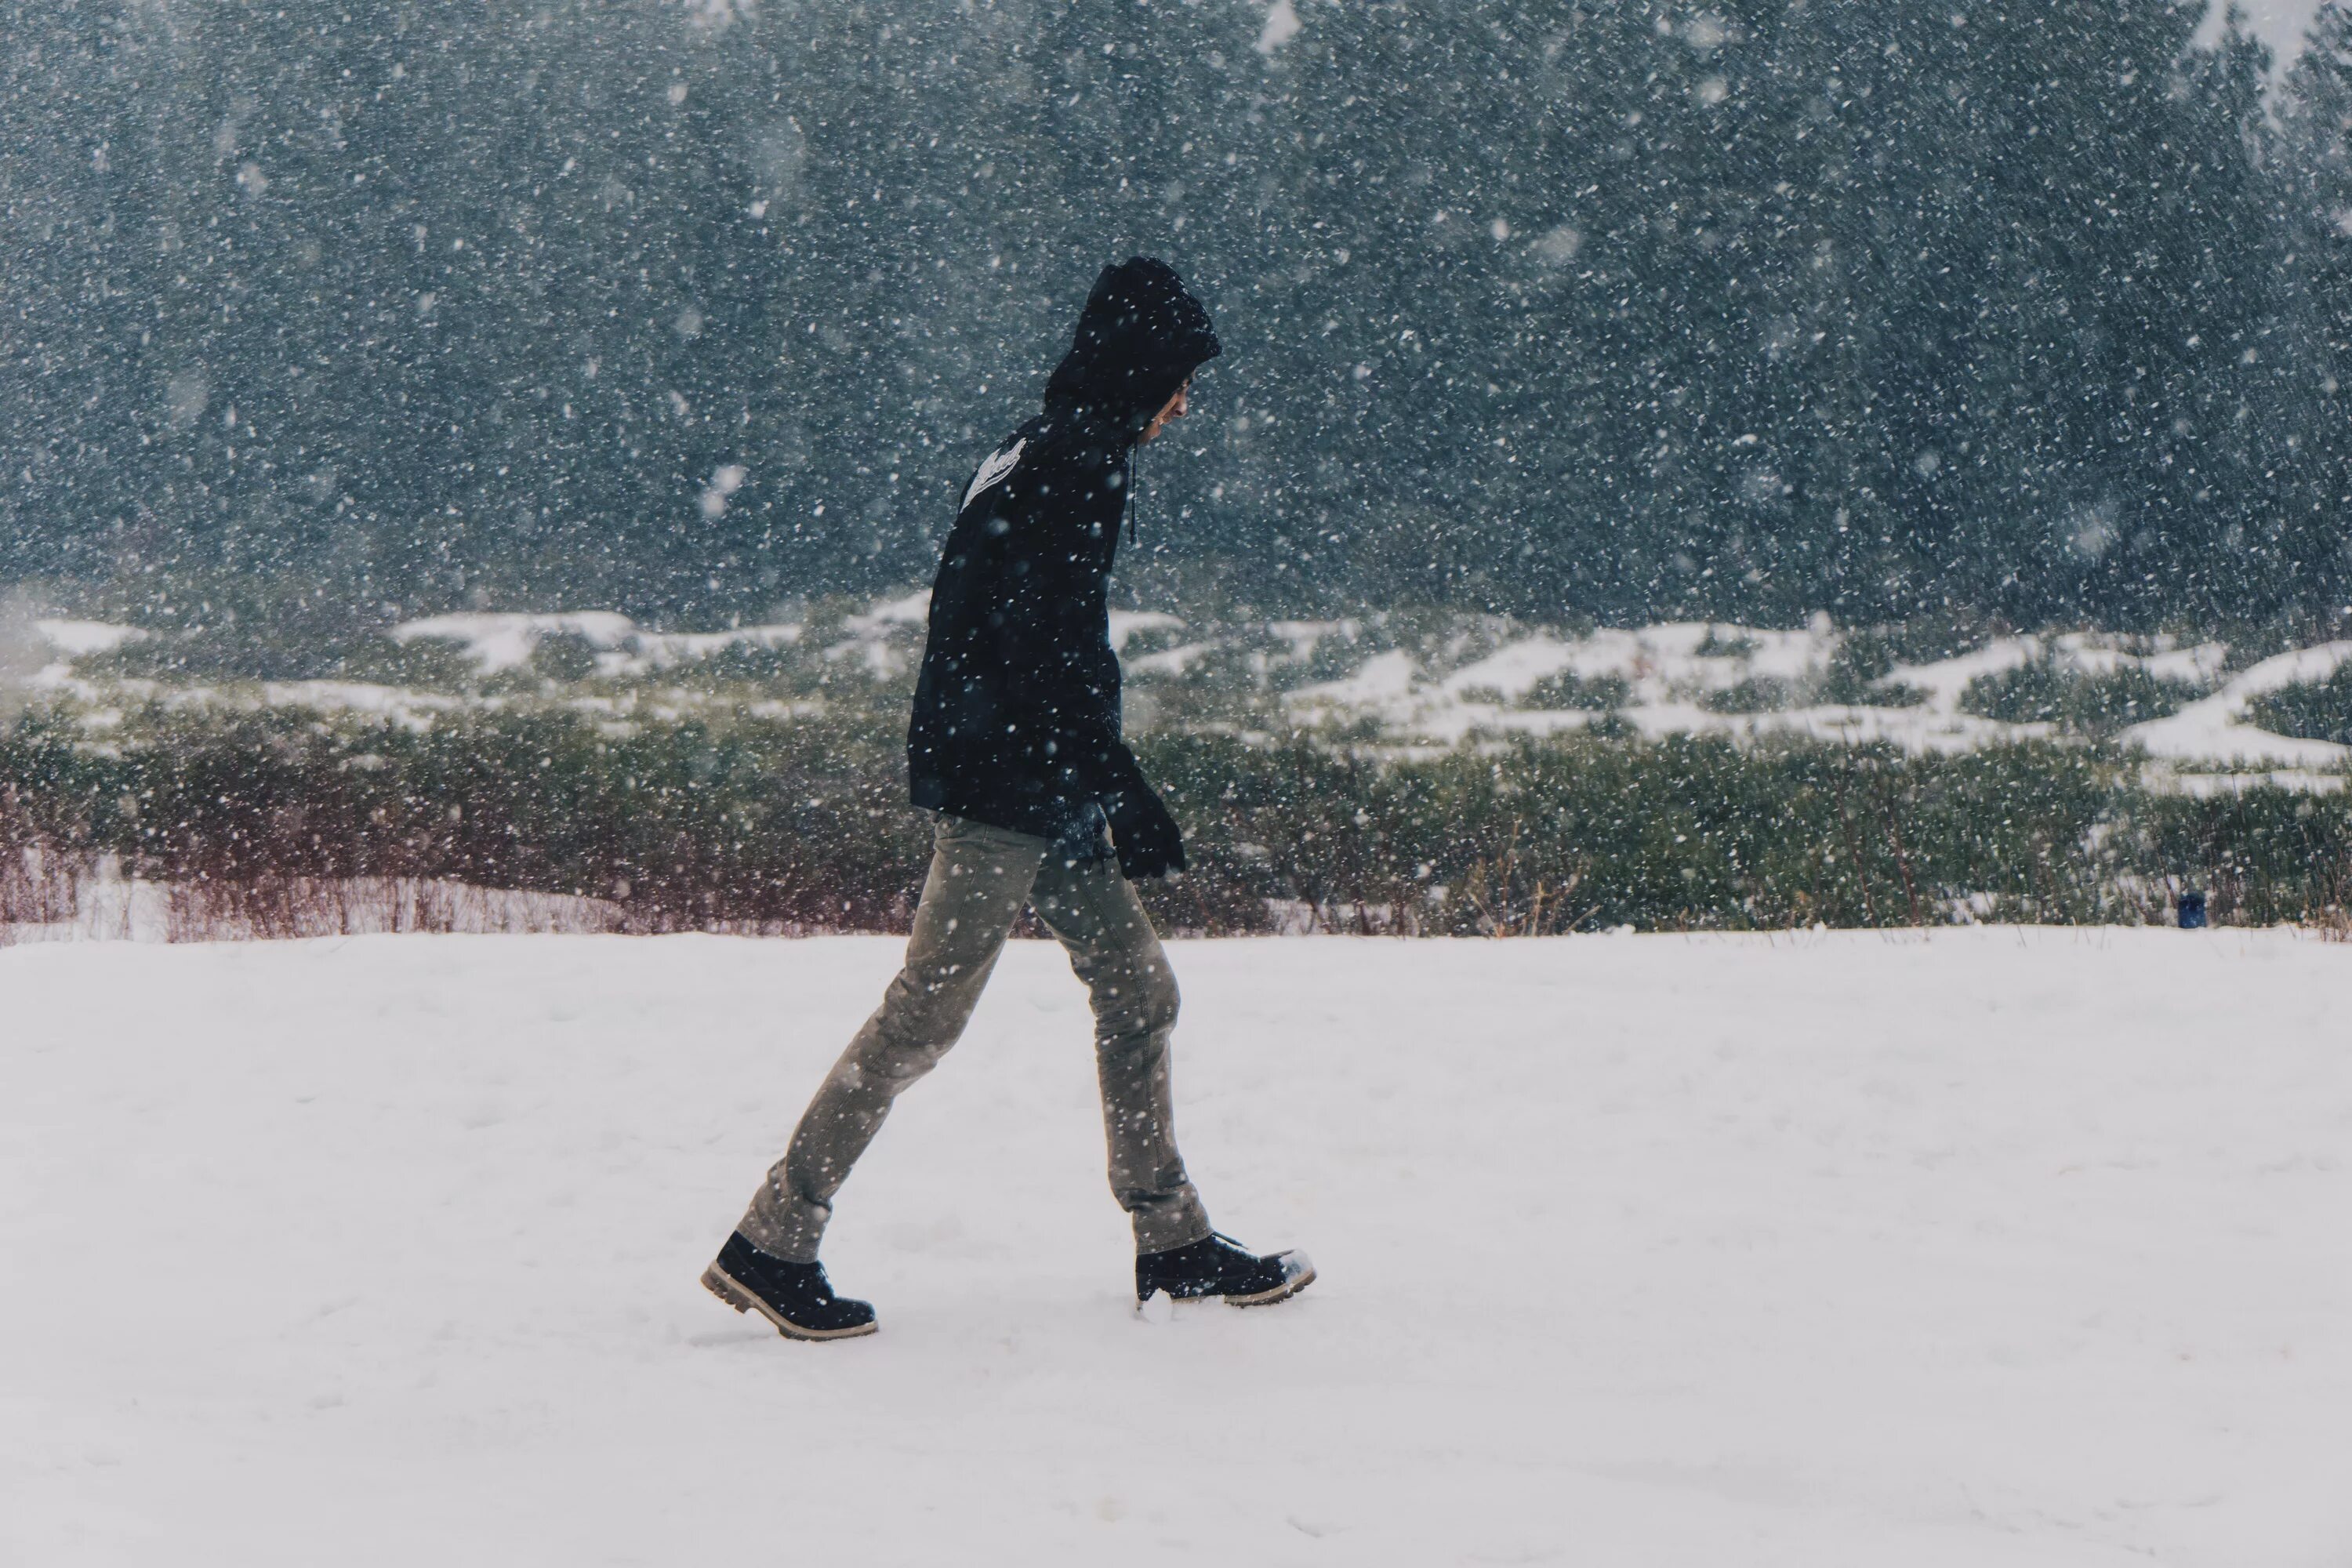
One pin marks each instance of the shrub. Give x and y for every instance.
(782, 665)
(1567, 689)
(1145, 640)
(1855, 676)
(420, 664)
(2312, 710)
(243, 625)
(1757, 694)
(2096, 705)
(563, 656)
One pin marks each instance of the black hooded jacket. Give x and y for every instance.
(1016, 720)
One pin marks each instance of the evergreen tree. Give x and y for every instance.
(1609, 307)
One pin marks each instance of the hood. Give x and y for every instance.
(1140, 336)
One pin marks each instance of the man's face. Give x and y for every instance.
(1173, 409)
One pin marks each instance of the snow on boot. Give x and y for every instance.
(795, 1296)
(1218, 1266)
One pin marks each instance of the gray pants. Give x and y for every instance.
(980, 878)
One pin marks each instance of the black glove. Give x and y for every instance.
(1149, 843)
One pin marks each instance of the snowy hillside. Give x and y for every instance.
(1988, 1249)
(1409, 681)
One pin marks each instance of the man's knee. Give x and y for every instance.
(1160, 999)
(922, 1016)
(1140, 1003)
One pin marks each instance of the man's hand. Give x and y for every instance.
(1149, 843)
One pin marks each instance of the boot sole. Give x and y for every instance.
(729, 1290)
(1282, 1292)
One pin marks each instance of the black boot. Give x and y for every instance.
(1219, 1266)
(795, 1296)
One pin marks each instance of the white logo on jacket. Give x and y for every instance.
(1000, 463)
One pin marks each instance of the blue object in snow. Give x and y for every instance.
(2192, 911)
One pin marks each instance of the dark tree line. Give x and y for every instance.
(1747, 309)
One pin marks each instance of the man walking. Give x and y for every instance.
(1015, 745)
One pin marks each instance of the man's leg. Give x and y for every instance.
(979, 880)
(1112, 947)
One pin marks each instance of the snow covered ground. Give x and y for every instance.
(1671, 672)
(1985, 1248)
(2216, 726)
